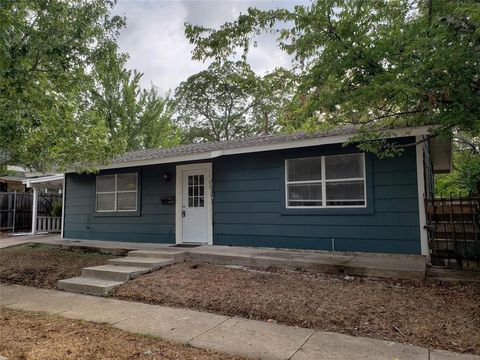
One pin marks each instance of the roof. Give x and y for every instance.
(8, 178)
(257, 143)
(228, 144)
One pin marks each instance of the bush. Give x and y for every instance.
(56, 209)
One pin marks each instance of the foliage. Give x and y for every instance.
(136, 118)
(47, 49)
(465, 176)
(373, 64)
(228, 100)
(56, 209)
(65, 98)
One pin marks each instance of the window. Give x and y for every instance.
(196, 189)
(326, 181)
(117, 192)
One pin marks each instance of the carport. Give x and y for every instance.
(42, 224)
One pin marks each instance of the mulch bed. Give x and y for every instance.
(43, 265)
(429, 314)
(36, 336)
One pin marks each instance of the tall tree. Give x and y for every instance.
(228, 100)
(48, 49)
(136, 118)
(376, 64)
(214, 104)
(272, 93)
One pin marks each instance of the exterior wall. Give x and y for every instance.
(155, 222)
(249, 206)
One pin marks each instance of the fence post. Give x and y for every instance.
(34, 210)
(14, 210)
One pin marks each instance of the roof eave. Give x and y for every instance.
(335, 139)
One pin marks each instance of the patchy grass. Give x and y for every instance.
(429, 314)
(42, 265)
(37, 337)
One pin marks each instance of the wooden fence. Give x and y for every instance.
(16, 209)
(49, 224)
(453, 226)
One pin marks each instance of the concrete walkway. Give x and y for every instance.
(24, 239)
(358, 264)
(248, 338)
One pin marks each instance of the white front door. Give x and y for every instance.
(195, 205)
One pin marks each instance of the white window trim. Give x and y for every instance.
(115, 193)
(323, 182)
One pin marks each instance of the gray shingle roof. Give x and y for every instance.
(150, 154)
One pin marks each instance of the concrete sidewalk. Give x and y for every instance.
(249, 338)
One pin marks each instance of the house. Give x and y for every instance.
(303, 191)
(12, 183)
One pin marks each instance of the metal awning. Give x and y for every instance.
(50, 181)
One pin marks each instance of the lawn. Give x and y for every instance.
(430, 314)
(37, 336)
(42, 265)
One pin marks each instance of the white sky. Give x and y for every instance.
(154, 37)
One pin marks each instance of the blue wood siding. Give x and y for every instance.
(155, 222)
(249, 206)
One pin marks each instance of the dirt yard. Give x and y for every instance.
(429, 314)
(36, 336)
(42, 265)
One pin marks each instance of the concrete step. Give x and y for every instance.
(89, 286)
(114, 272)
(151, 263)
(164, 253)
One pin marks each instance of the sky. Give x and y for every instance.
(155, 40)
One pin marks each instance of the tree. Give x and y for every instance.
(272, 93)
(136, 118)
(374, 64)
(48, 49)
(228, 101)
(213, 104)
(465, 176)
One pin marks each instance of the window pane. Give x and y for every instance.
(344, 166)
(305, 194)
(106, 202)
(127, 201)
(305, 169)
(105, 183)
(126, 182)
(345, 193)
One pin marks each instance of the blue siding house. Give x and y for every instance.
(302, 191)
